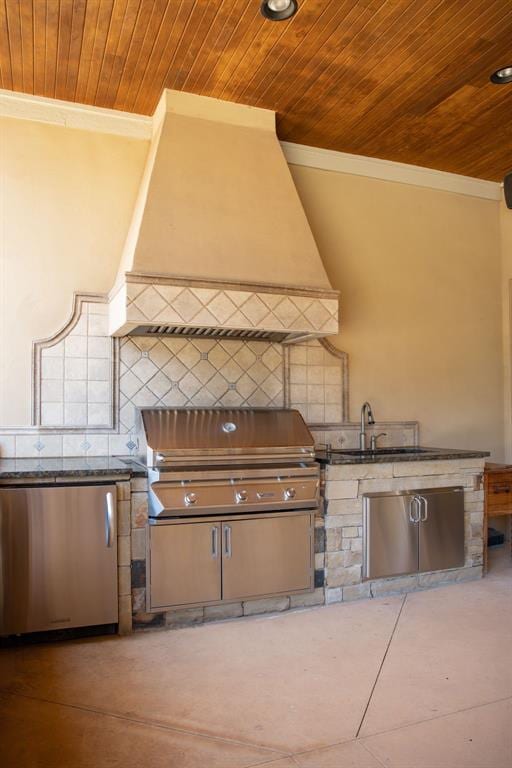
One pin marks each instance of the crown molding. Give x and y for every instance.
(70, 115)
(387, 170)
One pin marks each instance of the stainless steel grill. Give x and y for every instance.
(228, 460)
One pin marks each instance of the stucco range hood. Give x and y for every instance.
(219, 244)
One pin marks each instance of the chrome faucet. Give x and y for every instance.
(366, 409)
(373, 440)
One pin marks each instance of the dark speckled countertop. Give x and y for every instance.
(79, 467)
(101, 466)
(337, 456)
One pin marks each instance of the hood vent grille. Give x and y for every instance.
(214, 333)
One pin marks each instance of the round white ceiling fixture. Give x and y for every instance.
(278, 10)
(502, 76)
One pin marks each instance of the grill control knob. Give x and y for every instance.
(241, 496)
(190, 498)
(290, 493)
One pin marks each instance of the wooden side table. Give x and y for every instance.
(497, 496)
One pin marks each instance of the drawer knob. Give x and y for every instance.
(190, 498)
(290, 493)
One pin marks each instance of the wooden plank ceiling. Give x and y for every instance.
(404, 80)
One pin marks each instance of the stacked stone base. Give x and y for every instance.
(186, 617)
(338, 544)
(345, 486)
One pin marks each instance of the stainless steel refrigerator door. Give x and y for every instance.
(390, 534)
(265, 556)
(58, 557)
(441, 528)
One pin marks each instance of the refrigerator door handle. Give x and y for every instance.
(109, 519)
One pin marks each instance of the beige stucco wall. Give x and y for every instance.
(420, 280)
(506, 253)
(419, 274)
(66, 198)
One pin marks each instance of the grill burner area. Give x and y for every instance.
(220, 460)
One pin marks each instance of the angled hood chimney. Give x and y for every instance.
(219, 243)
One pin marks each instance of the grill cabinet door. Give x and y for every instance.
(390, 534)
(185, 564)
(267, 556)
(442, 529)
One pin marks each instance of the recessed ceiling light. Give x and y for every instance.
(503, 75)
(278, 10)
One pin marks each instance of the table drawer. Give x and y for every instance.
(499, 490)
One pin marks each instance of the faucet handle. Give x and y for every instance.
(374, 438)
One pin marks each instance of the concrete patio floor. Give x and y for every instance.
(413, 681)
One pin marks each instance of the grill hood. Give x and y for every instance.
(219, 243)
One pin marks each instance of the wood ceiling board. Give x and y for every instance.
(401, 80)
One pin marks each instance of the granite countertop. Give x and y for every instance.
(97, 466)
(21, 469)
(418, 453)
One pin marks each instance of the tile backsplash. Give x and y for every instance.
(87, 386)
(204, 373)
(74, 372)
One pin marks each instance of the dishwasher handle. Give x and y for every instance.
(109, 519)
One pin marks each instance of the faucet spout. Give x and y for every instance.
(366, 413)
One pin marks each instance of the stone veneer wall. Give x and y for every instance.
(344, 489)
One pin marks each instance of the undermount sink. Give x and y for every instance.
(379, 451)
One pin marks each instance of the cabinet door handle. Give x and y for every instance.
(414, 506)
(109, 519)
(227, 540)
(500, 489)
(215, 542)
(423, 509)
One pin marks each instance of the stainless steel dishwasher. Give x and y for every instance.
(411, 531)
(58, 557)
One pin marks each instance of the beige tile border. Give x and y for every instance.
(79, 299)
(231, 285)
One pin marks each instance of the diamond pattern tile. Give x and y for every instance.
(144, 369)
(221, 307)
(190, 385)
(159, 384)
(131, 352)
(187, 305)
(231, 308)
(218, 356)
(189, 356)
(287, 312)
(160, 354)
(204, 370)
(198, 372)
(150, 302)
(254, 310)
